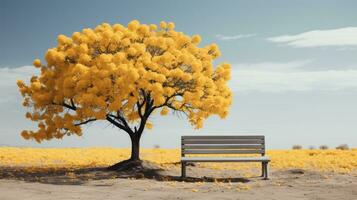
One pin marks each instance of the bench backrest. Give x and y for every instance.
(225, 144)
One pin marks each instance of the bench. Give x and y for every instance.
(243, 144)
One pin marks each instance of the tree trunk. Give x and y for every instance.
(134, 160)
(135, 147)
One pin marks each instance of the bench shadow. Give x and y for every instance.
(84, 175)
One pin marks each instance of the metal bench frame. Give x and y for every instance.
(225, 144)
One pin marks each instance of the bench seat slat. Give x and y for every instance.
(229, 146)
(225, 159)
(223, 141)
(221, 151)
(223, 137)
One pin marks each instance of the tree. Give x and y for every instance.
(123, 75)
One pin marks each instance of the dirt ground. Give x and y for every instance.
(158, 183)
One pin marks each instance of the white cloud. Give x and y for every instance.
(234, 37)
(273, 66)
(8, 78)
(317, 38)
(289, 76)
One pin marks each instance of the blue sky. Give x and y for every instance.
(294, 71)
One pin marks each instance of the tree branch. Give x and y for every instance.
(72, 104)
(122, 119)
(167, 101)
(140, 105)
(148, 110)
(128, 130)
(85, 122)
(66, 105)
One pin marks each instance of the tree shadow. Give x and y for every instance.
(65, 176)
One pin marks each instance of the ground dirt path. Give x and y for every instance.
(202, 184)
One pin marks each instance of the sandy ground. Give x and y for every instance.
(202, 183)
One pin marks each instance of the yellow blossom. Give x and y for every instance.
(196, 39)
(163, 24)
(164, 111)
(171, 25)
(37, 63)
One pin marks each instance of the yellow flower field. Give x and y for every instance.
(342, 161)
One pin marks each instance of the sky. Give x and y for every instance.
(294, 66)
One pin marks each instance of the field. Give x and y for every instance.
(294, 174)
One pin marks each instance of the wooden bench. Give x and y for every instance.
(243, 144)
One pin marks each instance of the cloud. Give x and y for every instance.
(289, 76)
(273, 66)
(234, 37)
(8, 78)
(318, 38)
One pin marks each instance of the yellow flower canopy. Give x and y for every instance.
(122, 74)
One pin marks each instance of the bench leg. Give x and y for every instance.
(266, 171)
(263, 170)
(183, 169)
